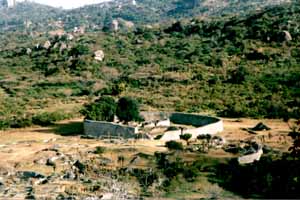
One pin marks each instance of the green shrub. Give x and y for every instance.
(173, 145)
(186, 137)
(145, 177)
(21, 122)
(49, 118)
(128, 109)
(102, 109)
(158, 137)
(190, 173)
(4, 124)
(99, 150)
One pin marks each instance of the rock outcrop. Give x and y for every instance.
(99, 55)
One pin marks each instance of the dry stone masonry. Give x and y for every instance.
(200, 125)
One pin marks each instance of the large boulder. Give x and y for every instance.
(115, 25)
(47, 44)
(287, 36)
(99, 55)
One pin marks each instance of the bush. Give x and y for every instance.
(46, 118)
(190, 173)
(4, 124)
(99, 150)
(173, 145)
(128, 110)
(158, 137)
(102, 109)
(21, 122)
(186, 137)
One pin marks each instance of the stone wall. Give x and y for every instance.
(108, 129)
(204, 125)
(154, 116)
(251, 158)
(192, 119)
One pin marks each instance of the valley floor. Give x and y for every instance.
(46, 151)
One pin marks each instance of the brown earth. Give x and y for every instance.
(24, 150)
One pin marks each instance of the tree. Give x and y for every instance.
(295, 134)
(107, 22)
(206, 139)
(173, 145)
(103, 109)
(79, 50)
(128, 110)
(186, 137)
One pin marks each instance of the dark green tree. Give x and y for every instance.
(79, 50)
(186, 137)
(295, 134)
(128, 109)
(107, 22)
(103, 109)
(173, 145)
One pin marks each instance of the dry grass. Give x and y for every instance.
(21, 148)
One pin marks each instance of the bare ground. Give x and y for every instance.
(23, 150)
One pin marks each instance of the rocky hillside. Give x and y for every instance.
(236, 67)
(32, 16)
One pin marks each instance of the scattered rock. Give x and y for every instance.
(69, 175)
(217, 142)
(70, 37)
(42, 181)
(30, 174)
(105, 161)
(99, 55)
(50, 162)
(92, 198)
(47, 44)
(87, 137)
(28, 51)
(51, 149)
(115, 25)
(107, 196)
(287, 36)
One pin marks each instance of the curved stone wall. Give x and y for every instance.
(192, 119)
(154, 116)
(203, 125)
(251, 158)
(103, 129)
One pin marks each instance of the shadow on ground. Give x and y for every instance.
(69, 129)
(72, 128)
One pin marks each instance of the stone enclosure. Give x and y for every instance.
(196, 125)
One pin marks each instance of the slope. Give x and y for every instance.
(235, 67)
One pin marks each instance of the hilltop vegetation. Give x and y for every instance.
(35, 17)
(234, 66)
